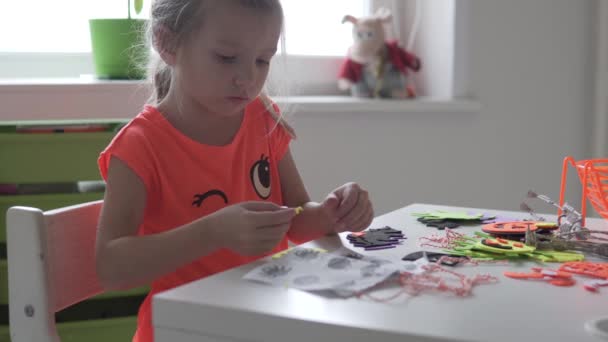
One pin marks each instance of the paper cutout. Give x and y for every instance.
(376, 238)
(308, 269)
(450, 219)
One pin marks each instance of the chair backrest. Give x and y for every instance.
(51, 265)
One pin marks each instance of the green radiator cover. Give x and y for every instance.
(101, 330)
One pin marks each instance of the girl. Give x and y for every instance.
(202, 180)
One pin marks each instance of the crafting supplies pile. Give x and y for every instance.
(347, 273)
(566, 241)
(485, 247)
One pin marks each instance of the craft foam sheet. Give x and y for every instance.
(315, 270)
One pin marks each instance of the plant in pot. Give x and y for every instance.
(118, 45)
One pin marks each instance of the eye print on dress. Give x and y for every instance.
(260, 177)
(199, 198)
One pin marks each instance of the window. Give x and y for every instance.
(57, 45)
(69, 33)
(313, 27)
(58, 26)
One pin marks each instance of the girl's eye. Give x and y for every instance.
(226, 59)
(263, 62)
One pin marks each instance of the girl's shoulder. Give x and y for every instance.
(143, 124)
(135, 145)
(143, 132)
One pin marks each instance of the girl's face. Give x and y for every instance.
(224, 64)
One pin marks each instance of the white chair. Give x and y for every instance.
(51, 265)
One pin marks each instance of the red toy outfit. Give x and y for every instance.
(400, 58)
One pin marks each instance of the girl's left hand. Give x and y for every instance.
(349, 208)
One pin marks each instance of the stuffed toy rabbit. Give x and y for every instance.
(375, 67)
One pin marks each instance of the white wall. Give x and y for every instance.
(531, 70)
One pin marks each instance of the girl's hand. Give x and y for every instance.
(349, 208)
(250, 228)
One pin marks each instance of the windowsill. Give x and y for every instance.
(88, 98)
(84, 83)
(347, 104)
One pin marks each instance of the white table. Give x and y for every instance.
(224, 307)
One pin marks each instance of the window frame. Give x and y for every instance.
(90, 98)
(17, 65)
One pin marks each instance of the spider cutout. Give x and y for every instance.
(274, 271)
(307, 254)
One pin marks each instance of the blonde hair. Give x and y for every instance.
(181, 18)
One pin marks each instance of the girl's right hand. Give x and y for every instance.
(250, 228)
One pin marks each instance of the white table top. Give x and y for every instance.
(224, 307)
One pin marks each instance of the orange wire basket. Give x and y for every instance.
(593, 174)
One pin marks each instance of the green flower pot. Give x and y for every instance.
(119, 49)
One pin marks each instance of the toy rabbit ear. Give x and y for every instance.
(350, 19)
(384, 15)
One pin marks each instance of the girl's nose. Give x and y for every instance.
(245, 76)
(240, 82)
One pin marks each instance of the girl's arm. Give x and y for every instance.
(125, 259)
(314, 222)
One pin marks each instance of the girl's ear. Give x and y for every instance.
(162, 42)
(350, 19)
(384, 15)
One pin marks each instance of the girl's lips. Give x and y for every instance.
(238, 98)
